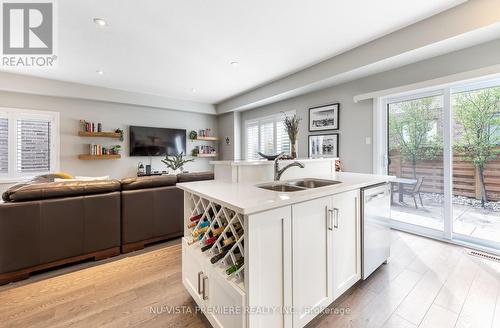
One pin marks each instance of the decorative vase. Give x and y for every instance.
(294, 150)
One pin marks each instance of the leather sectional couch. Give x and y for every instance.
(47, 224)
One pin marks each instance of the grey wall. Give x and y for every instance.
(112, 116)
(356, 118)
(225, 123)
(229, 126)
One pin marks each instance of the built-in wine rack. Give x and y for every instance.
(219, 232)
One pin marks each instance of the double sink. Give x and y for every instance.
(298, 185)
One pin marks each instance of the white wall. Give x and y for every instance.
(356, 118)
(112, 116)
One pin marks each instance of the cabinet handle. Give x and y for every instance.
(336, 218)
(205, 294)
(200, 273)
(329, 218)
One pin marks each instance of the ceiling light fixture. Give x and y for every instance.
(100, 72)
(193, 90)
(100, 22)
(235, 64)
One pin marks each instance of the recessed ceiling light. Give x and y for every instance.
(100, 22)
(193, 90)
(235, 64)
(100, 72)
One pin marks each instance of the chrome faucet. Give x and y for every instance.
(278, 172)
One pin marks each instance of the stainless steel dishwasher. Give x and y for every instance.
(375, 227)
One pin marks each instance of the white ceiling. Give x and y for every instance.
(169, 48)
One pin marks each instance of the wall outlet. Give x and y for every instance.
(368, 140)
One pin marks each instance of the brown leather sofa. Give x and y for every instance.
(152, 208)
(43, 225)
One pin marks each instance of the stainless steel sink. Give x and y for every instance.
(312, 183)
(298, 185)
(281, 187)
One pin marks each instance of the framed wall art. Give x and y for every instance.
(325, 145)
(323, 118)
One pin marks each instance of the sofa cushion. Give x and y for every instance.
(46, 190)
(195, 176)
(148, 182)
(44, 178)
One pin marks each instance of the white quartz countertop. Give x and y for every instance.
(267, 162)
(247, 198)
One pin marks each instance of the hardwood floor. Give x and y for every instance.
(117, 292)
(426, 284)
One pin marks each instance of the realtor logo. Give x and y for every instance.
(28, 34)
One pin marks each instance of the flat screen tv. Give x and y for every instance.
(147, 141)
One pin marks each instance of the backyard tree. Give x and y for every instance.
(411, 125)
(477, 115)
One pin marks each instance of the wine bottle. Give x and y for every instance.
(235, 266)
(206, 247)
(192, 224)
(217, 231)
(227, 247)
(196, 217)
(219, 256)
(229, 240)
(210, 240)
(199, 231)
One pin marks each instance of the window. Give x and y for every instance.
(28, 143)
(267, 135)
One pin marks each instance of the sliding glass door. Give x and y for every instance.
(415, 141)
(443, 146)
(476, 163)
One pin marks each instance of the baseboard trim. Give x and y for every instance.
(138, 245)
(25, 273)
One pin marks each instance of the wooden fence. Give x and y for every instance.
(465, 176)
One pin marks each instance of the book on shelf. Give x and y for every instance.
(90, 126)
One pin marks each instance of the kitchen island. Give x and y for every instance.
(255, 257)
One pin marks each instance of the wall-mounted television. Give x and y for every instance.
(148, 141)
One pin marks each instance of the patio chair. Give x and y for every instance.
(414, 191)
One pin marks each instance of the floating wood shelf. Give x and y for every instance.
(99, 134)
(86, 157)
(207, 138)
(207, 155)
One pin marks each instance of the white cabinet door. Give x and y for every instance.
(192, 272)
(226, 301)
(268, 270)
(312, 258)
(346, 241)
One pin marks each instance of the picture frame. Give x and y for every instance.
(323, 145)
(325, 117)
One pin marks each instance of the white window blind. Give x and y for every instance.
(4, 145)
(29, 143)
(282, 140)
(33, 145)
(267, 135)
(252, 137)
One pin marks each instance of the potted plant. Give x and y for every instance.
(292, 129)
(176, 162)
(115, 150)
(120, 131)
